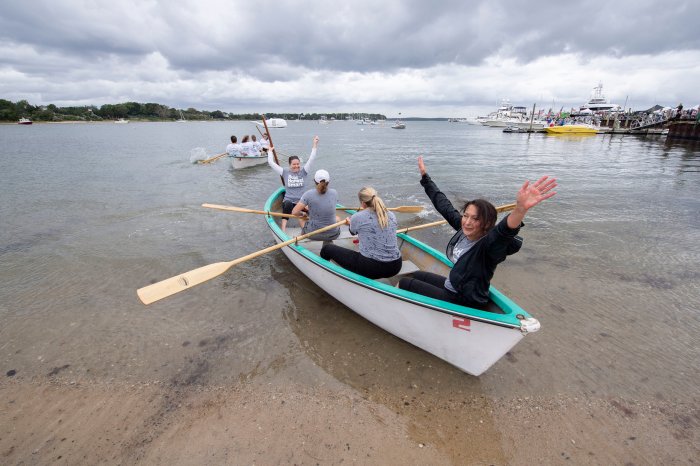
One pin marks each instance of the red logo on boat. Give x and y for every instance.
(462, 324)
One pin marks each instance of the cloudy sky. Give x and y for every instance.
(432, 59)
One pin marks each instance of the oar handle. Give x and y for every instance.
(403, 209)
(420, 227)
(502, 208)
(249, 211)
(272, 145)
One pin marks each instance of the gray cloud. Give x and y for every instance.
(181, 43)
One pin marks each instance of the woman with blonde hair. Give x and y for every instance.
(375, 226)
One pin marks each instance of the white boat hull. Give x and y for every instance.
(496, 123)
(526, 124)
(470, 345)
(244, 162)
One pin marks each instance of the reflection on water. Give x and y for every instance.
(609, 265)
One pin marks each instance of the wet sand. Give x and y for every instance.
(280, 423)
(324, 387)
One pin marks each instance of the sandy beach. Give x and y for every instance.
(73, 422)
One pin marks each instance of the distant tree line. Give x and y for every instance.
(13, 111)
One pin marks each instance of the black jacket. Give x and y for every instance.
(471, 274)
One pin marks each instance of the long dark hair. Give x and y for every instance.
(485, 211)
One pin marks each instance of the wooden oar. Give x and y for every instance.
(170, 286)
(274, 152)
(249, 211)
(502, 208)
(212, 159)
(404, 209)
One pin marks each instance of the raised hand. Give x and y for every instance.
(315, 141)
(532, 194)
(421, 165)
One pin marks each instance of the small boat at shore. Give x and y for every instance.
(121, 121)
(469, 339)
(574, 128)
(398, 125)
(24, 121)
(245, 161)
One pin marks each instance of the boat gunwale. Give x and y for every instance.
(510, 308)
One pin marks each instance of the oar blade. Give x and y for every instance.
(505, 207)
(408, 209)
(170, 286)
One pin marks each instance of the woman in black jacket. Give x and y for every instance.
(479, 244)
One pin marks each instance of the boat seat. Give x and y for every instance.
(407, 267)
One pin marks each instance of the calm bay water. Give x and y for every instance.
(90, 213)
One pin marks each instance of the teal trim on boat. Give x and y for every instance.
(513, 314)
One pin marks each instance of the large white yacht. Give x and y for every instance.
(598, 102)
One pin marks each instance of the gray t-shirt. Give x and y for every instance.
(463, 245)
(294, 184)
(375, 242)
(321, 212)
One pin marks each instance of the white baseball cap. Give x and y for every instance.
(322, 175)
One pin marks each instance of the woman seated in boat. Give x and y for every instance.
(264, 143)
(254, 147)
(234, 149)
(245, 146)
(320, 203)
(379, 255)
(294, 179)
(479, 244)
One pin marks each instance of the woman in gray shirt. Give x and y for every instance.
(321, 205)
(294, 179)
(375, 226)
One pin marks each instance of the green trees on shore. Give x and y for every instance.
(13, 111)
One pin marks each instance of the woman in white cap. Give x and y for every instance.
(294, 179)
(375, 226)
(321, 206)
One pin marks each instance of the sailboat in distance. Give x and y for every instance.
(399, 124)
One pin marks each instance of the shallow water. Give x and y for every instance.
(91, 212)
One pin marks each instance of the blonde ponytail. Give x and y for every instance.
(369, 196)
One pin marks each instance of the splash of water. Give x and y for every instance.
(197, 154)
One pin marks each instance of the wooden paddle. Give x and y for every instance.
(212, 159)
(272, 146)
(249, 211)
(502, 208)
(404, 209)
(170, 286)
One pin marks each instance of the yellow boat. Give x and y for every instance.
(572, 129)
